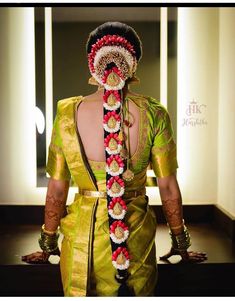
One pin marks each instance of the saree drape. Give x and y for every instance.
(85, 262)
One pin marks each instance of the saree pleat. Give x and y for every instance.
(85, 263)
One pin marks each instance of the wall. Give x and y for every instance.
(226, 125)
(198, 82)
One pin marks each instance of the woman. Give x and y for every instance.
(104, 142)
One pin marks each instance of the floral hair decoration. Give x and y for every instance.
(111, 62)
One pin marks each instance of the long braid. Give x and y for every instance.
(111, 61)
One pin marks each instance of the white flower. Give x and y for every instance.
(115, 216)
(112, 130)
(116, 173)
(109, 49)
(121, 266)
(117, 194)
(113, 108)
(118, 87)
(114, 152)
(119, 240)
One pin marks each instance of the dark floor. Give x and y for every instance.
(214, 277)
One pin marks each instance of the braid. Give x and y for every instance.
(115, 188)
(112, 60)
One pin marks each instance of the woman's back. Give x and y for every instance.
(89, 117)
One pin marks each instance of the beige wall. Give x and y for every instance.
(205, 73)
(198, 80)
(226, 125)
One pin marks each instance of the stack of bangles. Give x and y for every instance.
(180, 242)
(48, 241)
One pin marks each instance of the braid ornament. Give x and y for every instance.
(111, 62)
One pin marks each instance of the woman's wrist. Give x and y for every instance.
(181, 242)
(48, 241)
(176, 230)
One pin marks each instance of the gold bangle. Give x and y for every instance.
(47, 231)
(177, 227)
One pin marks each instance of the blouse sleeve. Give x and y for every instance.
(56, 164)
(163, 151)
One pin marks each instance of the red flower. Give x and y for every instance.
(117, 158)
(115, 179)
(116, 224)
(114, 92)
(120, 250)
(114, 136)
(113, 69)
(111, 114)
(117, 200)
(108, 40)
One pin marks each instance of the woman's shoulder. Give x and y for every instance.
(149, 103)
(67, 104)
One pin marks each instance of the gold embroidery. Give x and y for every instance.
(97, 165)
(143, 134)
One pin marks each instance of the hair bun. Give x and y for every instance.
(112, 61)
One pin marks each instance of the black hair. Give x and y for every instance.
(117, 28)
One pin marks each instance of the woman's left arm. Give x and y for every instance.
(173, 211)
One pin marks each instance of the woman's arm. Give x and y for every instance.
(173, 211)
(171, 202)
(56, 198)
(57, 192)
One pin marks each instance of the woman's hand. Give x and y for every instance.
(39, 257)
(187, 256)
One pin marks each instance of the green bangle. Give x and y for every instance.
(48, 243)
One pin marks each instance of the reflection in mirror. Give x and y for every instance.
(71, 27)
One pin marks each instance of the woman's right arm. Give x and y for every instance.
(55, 206)
(57, 192)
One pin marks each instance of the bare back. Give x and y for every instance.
(90, 125)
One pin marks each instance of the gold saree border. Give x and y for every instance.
(77, 164)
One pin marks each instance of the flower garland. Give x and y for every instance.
(112, 49)
(115, 185)
(112, 61)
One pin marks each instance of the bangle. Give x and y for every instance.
(48, 242)
(182, 241)
(177, 227)
(47, 231)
